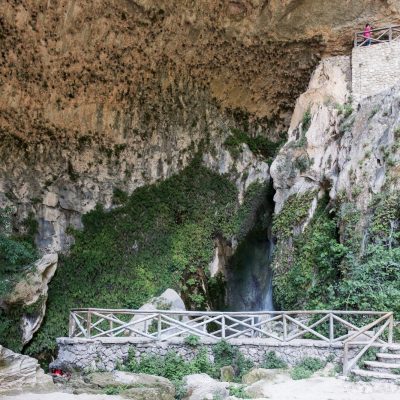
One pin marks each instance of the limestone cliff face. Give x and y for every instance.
(112, 94)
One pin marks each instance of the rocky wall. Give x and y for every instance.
(107, 354)
(375, 69)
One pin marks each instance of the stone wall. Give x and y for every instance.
(375, 69)
(87, 354)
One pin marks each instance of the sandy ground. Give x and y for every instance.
(59, 396)
(333, 389)
(310, 389)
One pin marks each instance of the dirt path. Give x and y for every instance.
(310, 389)
(332, 389)
(59, 396)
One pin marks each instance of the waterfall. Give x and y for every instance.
(249, 283)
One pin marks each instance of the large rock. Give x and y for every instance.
(168, 300)
(19, 372)
(31, 291)
(131, 386)
(262, 374)
(203, 387)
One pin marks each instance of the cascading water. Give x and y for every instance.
(249, 276)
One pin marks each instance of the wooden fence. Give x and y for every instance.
(382, 35)
(363, 329)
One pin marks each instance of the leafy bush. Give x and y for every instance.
(162, 236)
(259, 145)
(172, 366)
(226, 354)
(238, 391)
(306, 122)
(17, 253)
(272, 361)
(306, 367)
(192, 340)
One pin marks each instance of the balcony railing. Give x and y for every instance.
(381, 35)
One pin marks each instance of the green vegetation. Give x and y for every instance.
(345, 109)
(294, 212)
(306, 122)
(313, 272)
(192, 340)
(114, 390)
(318, 271)
(161, 236)
(238, 391)
(306, 368)
(174, 367)
(259, 145)
(272, 361)
(225, 354)
(17, 253)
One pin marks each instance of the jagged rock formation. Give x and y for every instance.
(19, 372)
(28, 297)
(351, 157)
(106, 94)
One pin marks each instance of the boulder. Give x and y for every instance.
(227, 374)
(168, 300)
(203, 387)
(130, 385)
(31, 291)
(259, 374)
(260, 388)
(19, 372)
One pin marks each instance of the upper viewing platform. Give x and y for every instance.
(382, 35)
(375, 62)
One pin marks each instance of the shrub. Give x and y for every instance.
(226, 354)
(306, 122)
(259, 145)
(192, 340)
(171, 366)
(272, 361)
(238, 391)
(306, 367)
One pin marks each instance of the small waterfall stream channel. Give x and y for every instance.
(249, 283)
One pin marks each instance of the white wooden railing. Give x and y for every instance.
(360, 329)
(381, 35)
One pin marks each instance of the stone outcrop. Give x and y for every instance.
(106, 95)
(128, 385)
(202, 386)
(343, 152)
(29, 295)
(19, 372)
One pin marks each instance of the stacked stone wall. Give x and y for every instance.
(375, 69)
(106, 355)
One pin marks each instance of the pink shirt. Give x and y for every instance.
(367, 32)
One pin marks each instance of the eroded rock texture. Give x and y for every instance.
(105, 94)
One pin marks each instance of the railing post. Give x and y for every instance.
(331, 330)
(71, 326)
(390, 34)
(159, 327)
(391, 324)
(284, 327)
(355, 40)
(223, 327)
(345, 359)
(89, 324)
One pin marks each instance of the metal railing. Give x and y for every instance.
(345, 329)
(381, 35)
